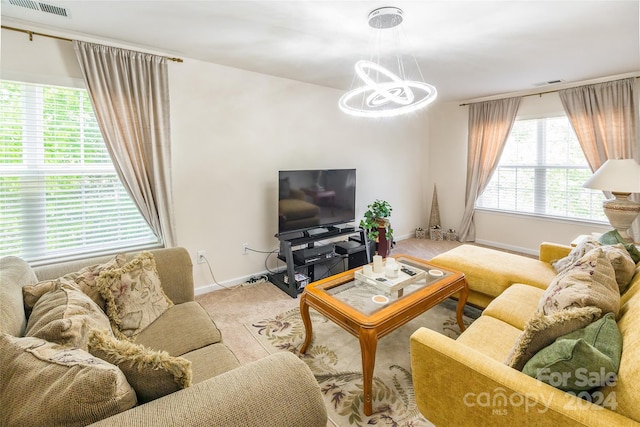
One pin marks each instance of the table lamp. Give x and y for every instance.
(621, 177)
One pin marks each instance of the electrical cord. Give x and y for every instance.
(212, 275)
(266, 260)
(263, 278)
(252, 281)
(269, 253)
(335, 264)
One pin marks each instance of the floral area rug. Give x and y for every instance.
(334, 359)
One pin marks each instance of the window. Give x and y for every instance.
(59, 192)
(541, 172)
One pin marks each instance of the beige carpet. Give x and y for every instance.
(252, 303)
(334, 359)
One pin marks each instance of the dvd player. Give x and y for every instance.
(307, 255)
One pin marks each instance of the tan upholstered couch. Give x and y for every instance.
(466, 381)
(278, 390)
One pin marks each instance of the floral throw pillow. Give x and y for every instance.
(84, 279)
(133, 295)
(589, 282)
(581, 249)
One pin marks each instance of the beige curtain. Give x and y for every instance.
(489, 126)
(130, 96)
(605, 119)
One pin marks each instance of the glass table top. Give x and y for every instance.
(369, 296)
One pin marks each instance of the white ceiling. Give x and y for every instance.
(467, 49)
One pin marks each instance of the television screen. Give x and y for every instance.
(315, 198)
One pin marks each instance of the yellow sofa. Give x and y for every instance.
(486, 282)
(466, 382)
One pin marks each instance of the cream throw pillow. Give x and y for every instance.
(617, 254)
(589, 282)
(151, 373)
(65, 316)
(541, 330)
(84, 280)
(133, 295)
(622, 264)
(45, 384)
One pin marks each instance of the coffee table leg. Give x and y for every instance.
(368, 344)
(306, 319)
(464, 294)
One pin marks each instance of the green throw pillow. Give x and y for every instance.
(613, 237)
(581, 360)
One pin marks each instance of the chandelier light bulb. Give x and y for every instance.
(385, 99)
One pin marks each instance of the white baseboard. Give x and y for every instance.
(211, 287)
(508, 247)
(201, 290)
(403, 237)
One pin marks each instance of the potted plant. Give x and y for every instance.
(375, 221)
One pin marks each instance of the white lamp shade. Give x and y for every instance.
(616, 175)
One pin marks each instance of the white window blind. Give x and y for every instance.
(541, 172)
(59, 193)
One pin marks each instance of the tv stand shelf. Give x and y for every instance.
(286, 254)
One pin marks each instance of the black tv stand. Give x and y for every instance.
(316, 255)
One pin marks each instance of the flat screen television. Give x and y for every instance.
(310, 199)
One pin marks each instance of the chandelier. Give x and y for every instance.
(386, 86)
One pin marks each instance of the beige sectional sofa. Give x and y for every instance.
(278, 390)
(466, 381)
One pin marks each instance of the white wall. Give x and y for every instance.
(448, 140)
(232, 130)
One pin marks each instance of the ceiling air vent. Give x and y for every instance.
(549, 82)
(40, 7)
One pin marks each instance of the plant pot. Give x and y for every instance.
(384, 245)
(382, 222)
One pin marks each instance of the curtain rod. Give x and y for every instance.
(34, 33)
(531, 94)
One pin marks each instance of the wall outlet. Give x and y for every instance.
(245, 248)
(202, 257)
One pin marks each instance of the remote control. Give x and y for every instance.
(381, 279)
(407, 271)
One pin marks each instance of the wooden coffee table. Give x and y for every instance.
(349, 303)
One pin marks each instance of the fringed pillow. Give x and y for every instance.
(541, 330)
(133, 295)
(151, 373)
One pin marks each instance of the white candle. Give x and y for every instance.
(391, 269)
(377, 264)
(367, 270)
